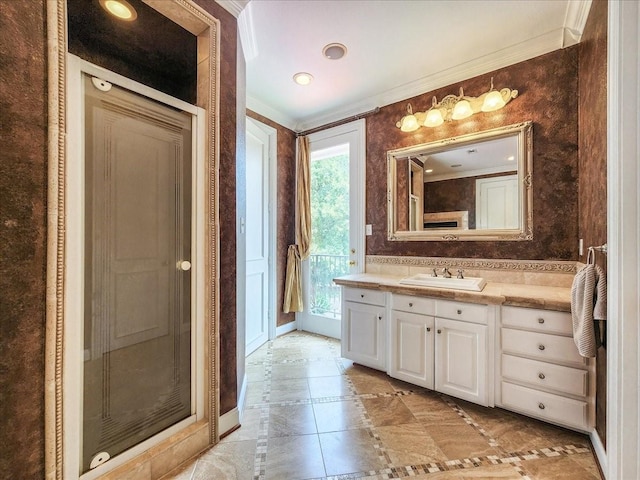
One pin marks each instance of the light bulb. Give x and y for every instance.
(462, 110)
(434, 118)
(493, 101)
(120, 8)
(409, 123)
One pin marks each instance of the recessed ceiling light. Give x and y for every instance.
(456, 165)
(511, 157)
(334, 51)
(120, 8)
(303, 78)
(430, 170)
(472, 150)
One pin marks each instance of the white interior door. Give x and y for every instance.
(337, 224)
(257, 239)
(497, 202)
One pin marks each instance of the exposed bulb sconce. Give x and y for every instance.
(456, 107)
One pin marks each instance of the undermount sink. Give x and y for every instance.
(475, 284)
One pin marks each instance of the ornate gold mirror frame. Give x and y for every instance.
(201, 24)
(523, 132)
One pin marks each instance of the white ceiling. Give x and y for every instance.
(396, 49)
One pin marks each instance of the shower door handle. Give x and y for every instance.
(184, 265)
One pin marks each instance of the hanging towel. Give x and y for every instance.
(588, 303)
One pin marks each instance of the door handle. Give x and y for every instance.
(352, 263)
(184, 265)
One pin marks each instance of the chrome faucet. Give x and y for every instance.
(446, 273)
(460, 273)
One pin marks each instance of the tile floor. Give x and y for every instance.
(310, 414)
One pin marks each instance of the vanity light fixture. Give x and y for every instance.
(303, 78)
(457, 107)
(120, 9)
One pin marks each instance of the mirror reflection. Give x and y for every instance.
(472, 187)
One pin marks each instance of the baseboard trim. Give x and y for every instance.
(229, 421)
(286, 328)
(600, 451)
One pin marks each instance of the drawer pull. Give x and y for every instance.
(439, 331)
(459, 312)
(428, 329)
(541, 376)
(362, 295)
(541, 347)
(410, 304)
(541, 406)
(379, 317)
(541, 320)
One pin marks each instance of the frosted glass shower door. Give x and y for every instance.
(137, 325)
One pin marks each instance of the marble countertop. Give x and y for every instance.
(519, 295)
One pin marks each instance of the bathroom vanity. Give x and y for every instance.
(508, 346)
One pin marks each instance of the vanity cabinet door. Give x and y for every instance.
(412, 348)
(461, 360)
(363, 339)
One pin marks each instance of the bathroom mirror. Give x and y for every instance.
(471, 187)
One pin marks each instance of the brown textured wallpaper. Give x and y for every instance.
(592, 135)
(547, 87)
(23, 196)
(286, 206)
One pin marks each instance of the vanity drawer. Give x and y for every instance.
(546, 406)
(419, 305)
(364, 295)
(541, 345)
(467, 312)
(542, 374)
(547, 321)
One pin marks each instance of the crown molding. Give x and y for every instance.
(271, 113)
(513, 54)
(234, 7)
(575, 20)
(247, 34)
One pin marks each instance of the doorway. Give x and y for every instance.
(337, 223)
(260, 234)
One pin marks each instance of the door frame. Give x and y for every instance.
(272, 135)
(357, 179)
(59, 450)
(75, 260)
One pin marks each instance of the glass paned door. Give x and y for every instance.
(137, 296)
(329, 256)
(337, 221)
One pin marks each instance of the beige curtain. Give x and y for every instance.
(300, 251)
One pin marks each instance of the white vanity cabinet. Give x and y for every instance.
(542, 373)
(412, 340)
(462, 351)
(441, 345)
(364, 327)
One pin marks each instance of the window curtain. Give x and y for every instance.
(300, 251)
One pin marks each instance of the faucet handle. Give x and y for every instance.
(446, 273)
(460, 271)
(434, 274)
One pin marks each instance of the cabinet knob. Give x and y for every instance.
(439, 331)
(362, 295)
(541, 406)
(540, 347)
(459, 312)
(541, 376)
(379, 317)
(541, 320)
(410, 304)
(428, 329)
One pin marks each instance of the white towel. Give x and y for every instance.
(588, 303)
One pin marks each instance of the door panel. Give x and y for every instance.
(257, 238)
(137, 374)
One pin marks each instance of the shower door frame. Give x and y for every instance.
(62, 365)
(74, 305)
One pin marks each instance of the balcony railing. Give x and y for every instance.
(325, 295)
